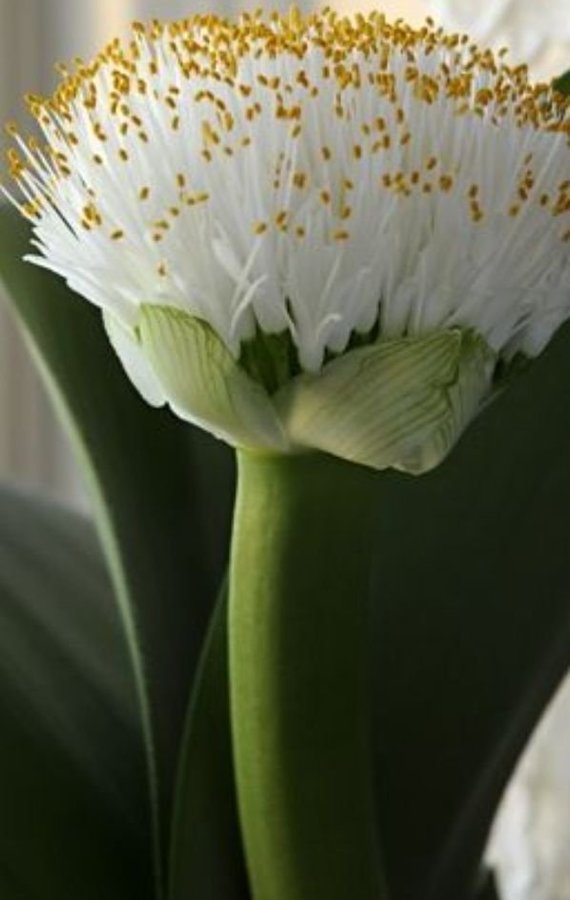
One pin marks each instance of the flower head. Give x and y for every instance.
(304, 189)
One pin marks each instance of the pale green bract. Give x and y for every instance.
(398, 403)
(202, 382)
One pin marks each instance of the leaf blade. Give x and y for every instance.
(206, 853)
(72, 778)
(139, 464)
(462, 677)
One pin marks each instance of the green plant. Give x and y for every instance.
(481, 540)
(428, 615)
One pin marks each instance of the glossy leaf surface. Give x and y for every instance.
(472, 625)
(73, 804)
(142, 467)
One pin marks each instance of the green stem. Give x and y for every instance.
(299, 676)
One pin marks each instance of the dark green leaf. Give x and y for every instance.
(472, 630)
(562, 83)
(73, 802)
(140, 464)
(206, 857)
(487, 888)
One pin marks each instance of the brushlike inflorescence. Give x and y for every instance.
(322, 177)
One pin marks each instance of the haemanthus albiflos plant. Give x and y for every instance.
(306, 234)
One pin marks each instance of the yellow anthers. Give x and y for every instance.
(484, 96)
(475, 210)
(16, 164)
(32, 210)
(99, 132)
(209, 135)
(209, 45)
(300, 180)
(299, 126)
(91, 217)
(281, 219)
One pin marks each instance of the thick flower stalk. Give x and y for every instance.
(307, 234)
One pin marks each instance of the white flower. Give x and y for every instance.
(331, 181)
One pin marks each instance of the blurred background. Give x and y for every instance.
(531, 843)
